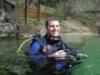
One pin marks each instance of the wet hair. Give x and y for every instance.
(50, 19)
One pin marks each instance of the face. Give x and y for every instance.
(53, 28)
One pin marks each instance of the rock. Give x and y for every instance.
(9, 18)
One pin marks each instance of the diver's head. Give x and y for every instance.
(52, 27)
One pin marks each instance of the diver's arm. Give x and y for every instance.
(61, 54)
(34, 51)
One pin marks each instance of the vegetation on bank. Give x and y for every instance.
(86, 12)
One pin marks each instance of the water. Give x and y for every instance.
(12, 64)
(91, 65)
(7, 53)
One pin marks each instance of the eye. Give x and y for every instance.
(57, 25)
(51, 25)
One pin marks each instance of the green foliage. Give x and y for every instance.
(87, 5)
(60, 11)
(34, 25)
(21, 4)
(87, 22)
(50, 3)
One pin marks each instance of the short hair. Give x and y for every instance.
(50, 19)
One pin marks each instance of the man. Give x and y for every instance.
(48, 54)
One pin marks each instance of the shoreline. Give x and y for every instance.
(29, 35)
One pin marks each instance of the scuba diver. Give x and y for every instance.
(49, 54)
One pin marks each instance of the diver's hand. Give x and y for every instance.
(61, 54)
